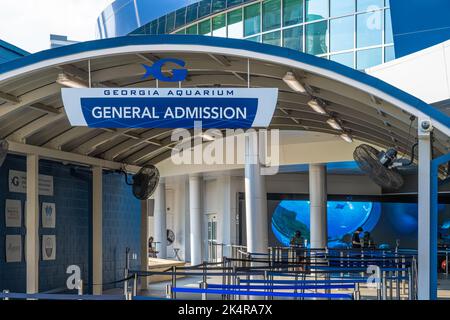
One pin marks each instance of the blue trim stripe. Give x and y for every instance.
(233, 44)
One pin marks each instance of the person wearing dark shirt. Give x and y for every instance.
(356, 241)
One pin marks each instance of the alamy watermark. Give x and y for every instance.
(227, 147)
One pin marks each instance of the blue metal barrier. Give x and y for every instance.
(265, 294)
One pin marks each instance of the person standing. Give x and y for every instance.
(356, 240)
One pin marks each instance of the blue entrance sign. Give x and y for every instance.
(219, 108)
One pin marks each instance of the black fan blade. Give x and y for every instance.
(367, 159)
(145, 182)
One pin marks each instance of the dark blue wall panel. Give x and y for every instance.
(73, 198)
(121, 227)
(419, 24)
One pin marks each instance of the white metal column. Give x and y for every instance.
(97, 230)
(318, 205)
(144, 241)
(195, 217)
(32, 224)
(424, 219)
(224, 190)
(160, 220)
(255, 198)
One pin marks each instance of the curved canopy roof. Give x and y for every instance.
(31, 110)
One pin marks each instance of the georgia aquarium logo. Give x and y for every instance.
(155, 70)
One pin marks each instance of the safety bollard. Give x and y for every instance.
(5, 292)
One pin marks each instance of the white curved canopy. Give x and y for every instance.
(31, 110)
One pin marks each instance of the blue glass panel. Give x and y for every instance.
(369, 29)
(252, 19)
(192, 29)
(292, 12)
(293, 38)
(316, 38)
(346, 59)
(192, 13)
(231, 3)
(255, 39)
(271, 14)
(368, 58)
(162, 25)
(170, 24)
(342, 33)
(389, 54)
(273, 38)
(121, 20)
(219, 5)
(180, 18)
(389, 37)
(204, 8)
(369, 5)
(154, 27)
(316, 10)
(204, 27)
(341, 7)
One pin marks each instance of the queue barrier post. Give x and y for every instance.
(410, 285)
(446, 262)
(169, 291)
(174, 282)
(391, 288)
(135, 284)
(204, 285)
(357, 292)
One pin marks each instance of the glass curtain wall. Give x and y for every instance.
(356, 33)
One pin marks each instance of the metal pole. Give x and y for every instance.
(410, 285)
(174, 281)
(89, 71)
(384, 285)
(127, 265)
(80, 287)
(135, 282)
(446, 262)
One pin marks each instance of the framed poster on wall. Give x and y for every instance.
(13, 213)
(48, 215)
(48, 247)
(13, 248)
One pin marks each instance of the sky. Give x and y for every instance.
(28, 24)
